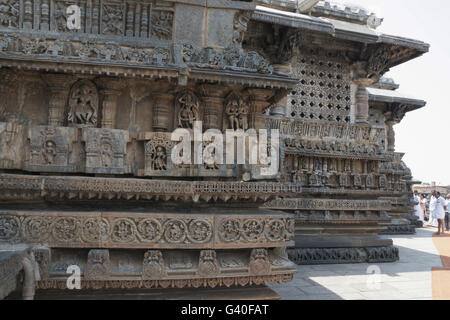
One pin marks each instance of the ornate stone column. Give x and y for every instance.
(393, 116)
(390, 135)
(162, 109)
(211, 119)
(59, 86)
(260, 101)
(361, 104)
(110, 89)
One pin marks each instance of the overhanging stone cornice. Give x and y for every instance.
(393, 97)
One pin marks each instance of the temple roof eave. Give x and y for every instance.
(342, 30)
(394, 97)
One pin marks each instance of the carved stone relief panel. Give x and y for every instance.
(259, 262)
(11, 145)
(139, 230)
(208, 264)
(83, 104)
(157, 154)
(236, 112)
(112, 18)
(106, 150)
(9, 13)
(187, 109)
(60, 15)
(143, 19)
(52, 149)
(98, 265)
(153, 266)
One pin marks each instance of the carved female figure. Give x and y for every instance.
(188, 105)
(159, 159)
(83, 104)
(49, 152)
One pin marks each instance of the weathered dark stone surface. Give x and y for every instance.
(86, 116)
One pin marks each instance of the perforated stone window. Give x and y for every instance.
(323, 92)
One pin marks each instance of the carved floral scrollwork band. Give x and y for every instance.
(83, 230)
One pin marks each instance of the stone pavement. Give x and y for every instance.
(409, 278)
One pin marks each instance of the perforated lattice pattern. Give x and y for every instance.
(323, 92)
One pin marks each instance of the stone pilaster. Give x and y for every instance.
(211, 112)
(162, 110)
(260, 100)
(361, 104)
(390, 133)
(59, 87)
(110, 89)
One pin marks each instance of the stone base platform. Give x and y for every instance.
(341, 250)
(233, 293)
(399, 226)
(399, 229)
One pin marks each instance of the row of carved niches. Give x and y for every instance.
(110, 151)
(142, 19)
(331, 135)
(165, 268)
(323, 92)
(65, 100)
(340, 173)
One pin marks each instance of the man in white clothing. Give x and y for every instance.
(417, 208)
(437, 208)
(447, 212)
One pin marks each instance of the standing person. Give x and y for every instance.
(432, 221)
(423, 206)
(417, 208)
(437, 208)
(447, 212)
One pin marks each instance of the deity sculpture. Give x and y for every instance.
(83, 104)
(188, 105)
(159, 159)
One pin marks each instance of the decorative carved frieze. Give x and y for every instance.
(339, 149)
(172, 283)
(228, 59)
(140, 19)
(84, 230)
(327, 131)
(308, 256)
(329, 204)
(85, 50)
(97, 188)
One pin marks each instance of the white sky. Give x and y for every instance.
(422, 134)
